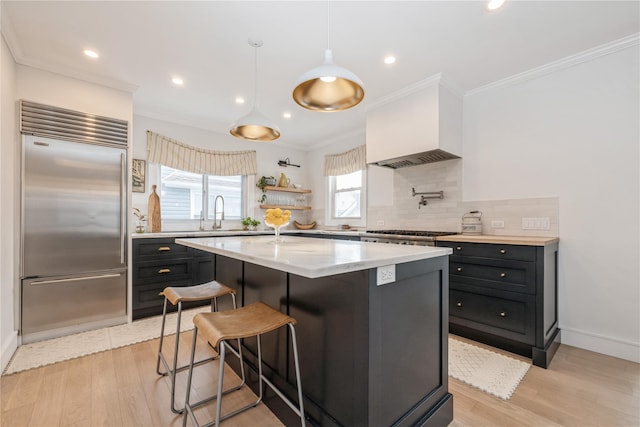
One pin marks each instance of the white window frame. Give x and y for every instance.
(330, 220)
(244, 189)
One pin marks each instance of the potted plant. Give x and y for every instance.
(254, 224)
(246, 222)
(262, 183)
(141, 218)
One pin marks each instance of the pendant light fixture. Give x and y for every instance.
(255, 126)
(328, 87)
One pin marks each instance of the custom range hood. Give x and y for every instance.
(417, 125)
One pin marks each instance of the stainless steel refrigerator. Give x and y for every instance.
(73, 264)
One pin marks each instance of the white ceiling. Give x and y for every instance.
(143, 44)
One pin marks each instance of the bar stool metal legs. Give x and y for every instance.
(176, 295)
(252, 320)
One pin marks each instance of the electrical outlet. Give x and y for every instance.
(386, 274)
(536, 223)
(380, 222)
(497, 224)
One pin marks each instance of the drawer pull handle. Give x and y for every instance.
(458, 304)
(459, 268)
(503, 314)
(503, 275)
(164, 248)
(503, 251)
(458, 248)
(164, 270)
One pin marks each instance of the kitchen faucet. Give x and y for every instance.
(215, 212)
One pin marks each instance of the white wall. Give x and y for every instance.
(267, 155)
(66, 92)
(9, 193)
(572, 133)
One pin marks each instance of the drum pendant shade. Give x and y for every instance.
(255, 126)
(328, 87)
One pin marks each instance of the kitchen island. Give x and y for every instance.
(372, 325)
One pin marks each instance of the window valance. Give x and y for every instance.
(344, 163)
(177, 155)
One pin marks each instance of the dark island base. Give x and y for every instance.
(371, 356)
(539, 356)
(438, 416)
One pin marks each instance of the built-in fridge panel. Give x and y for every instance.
(73, 260)
(73, 218)
(62, 305)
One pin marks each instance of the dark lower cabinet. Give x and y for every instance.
(506, 296)
(160, 262)
(355, 236)
(370, 355)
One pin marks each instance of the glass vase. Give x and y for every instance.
(276, 228)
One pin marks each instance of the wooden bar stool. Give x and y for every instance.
(176, 296)
(252, 320)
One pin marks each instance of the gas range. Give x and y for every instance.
(404, 237)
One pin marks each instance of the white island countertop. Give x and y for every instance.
(311, 257)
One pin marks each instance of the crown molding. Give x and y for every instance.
(567, 62)
(436, 79)
(352, 134)
(69, 72)
(9, 34)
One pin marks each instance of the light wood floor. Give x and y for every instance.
(120, 388)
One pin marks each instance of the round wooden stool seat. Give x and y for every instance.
(206, 291)
(248, 321)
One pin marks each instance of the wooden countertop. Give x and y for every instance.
(504, 240)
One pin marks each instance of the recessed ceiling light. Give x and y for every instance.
(239, 100)
(389, 59)
(91, 53)
(495, 4)
(177, 81)
(286, 115)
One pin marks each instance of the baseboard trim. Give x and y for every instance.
(9, 347)
(621, 349)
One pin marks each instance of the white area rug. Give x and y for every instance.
(486, 370)
(46, 352)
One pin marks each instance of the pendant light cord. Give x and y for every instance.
(255, 76)
(328, 14)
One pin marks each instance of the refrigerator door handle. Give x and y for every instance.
(74, 279)
(123, 204)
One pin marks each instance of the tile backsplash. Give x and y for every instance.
(446, 214)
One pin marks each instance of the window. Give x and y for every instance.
(183, 194)
(347, 202)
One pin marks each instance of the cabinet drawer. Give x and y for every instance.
(148, 302)
(148, 296)
(507, 317)
(490, 250)
(148, 249)
(166, 271)
(514, 276)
